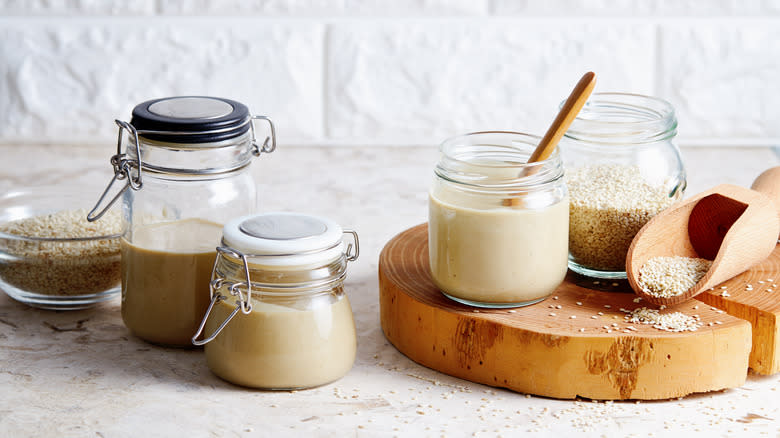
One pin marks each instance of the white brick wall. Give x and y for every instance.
(386, 72)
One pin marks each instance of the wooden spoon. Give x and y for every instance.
(574, 103)
(733, 226)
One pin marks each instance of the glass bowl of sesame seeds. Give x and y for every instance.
(51, 257)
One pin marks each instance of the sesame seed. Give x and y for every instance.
(608, 205)
(671, 276)
(607, 306)
(671, 322)
(573, 317)
(579, 303)
(552, 314)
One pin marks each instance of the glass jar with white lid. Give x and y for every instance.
(279, 317)
(497, 225)
(182, 164)
(622, 168)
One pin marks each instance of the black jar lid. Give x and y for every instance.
(191, 119)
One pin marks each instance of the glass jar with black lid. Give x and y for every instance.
(183, 163)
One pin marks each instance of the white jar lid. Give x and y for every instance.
(285, 239)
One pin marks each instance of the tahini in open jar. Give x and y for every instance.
(186, 165)
(498, 226)
(279, 317)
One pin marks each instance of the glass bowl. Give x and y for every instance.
(50, 256)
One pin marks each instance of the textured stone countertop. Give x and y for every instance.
(82, 374)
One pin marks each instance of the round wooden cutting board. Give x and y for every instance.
(575, 343)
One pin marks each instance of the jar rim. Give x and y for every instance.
(474, 159)
(614, 118)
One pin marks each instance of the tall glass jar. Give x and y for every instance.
(279, 317)
(497, 225)
(187, 167)
(622, 168)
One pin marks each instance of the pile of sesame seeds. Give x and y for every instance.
(608, 206)
(671, 276)
(670, 322)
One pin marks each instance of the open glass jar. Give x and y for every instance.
(622, 168)
(185, 171)
(497, 225)
(284, 273)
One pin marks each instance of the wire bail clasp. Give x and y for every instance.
(123, 170)
(242, 304)
(257, 149)
(351, 257)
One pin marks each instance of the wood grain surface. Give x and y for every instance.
(755, 297)
(574, 343)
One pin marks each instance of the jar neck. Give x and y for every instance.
(623, 119)
(496, 161)
(283, 280)
(197, 160)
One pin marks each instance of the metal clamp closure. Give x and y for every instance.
(123, 170)
(244, 305)
(351, 257)
(257, 149)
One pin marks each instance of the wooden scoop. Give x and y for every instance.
(733, 226)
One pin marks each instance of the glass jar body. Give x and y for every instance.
(173, 224)
(622, 168)
(497, 227)
(299, 333)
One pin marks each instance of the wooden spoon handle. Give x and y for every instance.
(565, 117)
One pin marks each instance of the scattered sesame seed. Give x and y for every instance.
(555, 297)
(671, 322)
(513, 311)
(552, 314)
(607, 306)
(594, 317)
(573, 317)
(579, 303)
